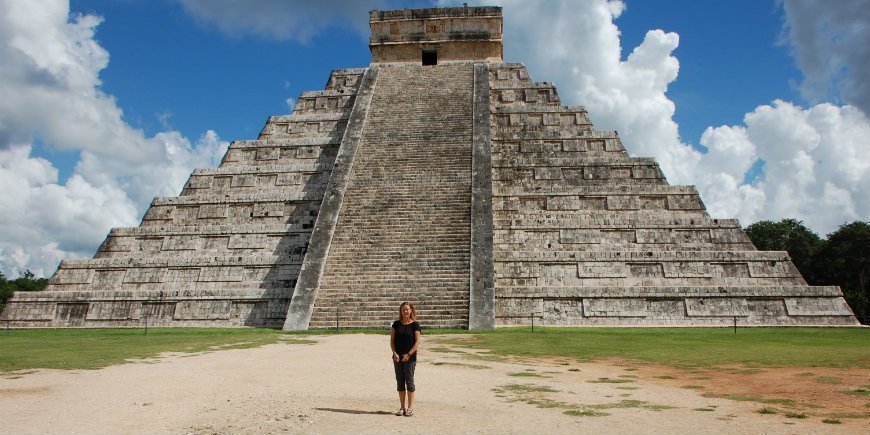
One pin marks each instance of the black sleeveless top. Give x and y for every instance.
(405, 338)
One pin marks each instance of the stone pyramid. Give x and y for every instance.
(441, 175)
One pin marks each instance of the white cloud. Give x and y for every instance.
(816, 164)
(49, 79)
(279, 20)
(829, 40)
(576, 45)
(815, 168)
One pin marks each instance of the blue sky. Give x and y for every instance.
(231, 82)
(760, 104)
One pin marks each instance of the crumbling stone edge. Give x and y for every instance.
(305, 293)
(481, 306)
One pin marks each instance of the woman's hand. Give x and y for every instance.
(406, 357)
(395, 357)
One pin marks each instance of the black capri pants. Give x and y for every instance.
(405, 375)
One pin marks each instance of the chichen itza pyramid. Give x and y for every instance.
(441, 175)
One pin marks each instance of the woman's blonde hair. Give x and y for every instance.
(413, 316)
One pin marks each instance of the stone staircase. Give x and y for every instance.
(403, 232)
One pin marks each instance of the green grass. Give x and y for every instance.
(525, 388)
(527, 375)
(744, 398)
(678, 347)
(609, 381)
(97, 348)
(685, 347)
(857, 415)
(859, 392)
(631, 404)
(457, 364)
(585, 413)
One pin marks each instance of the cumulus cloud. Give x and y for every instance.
(830, 43)
(49, 79)
(274, 19)
(578, 47)
(813, 165)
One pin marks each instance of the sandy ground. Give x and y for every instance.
(344, 384)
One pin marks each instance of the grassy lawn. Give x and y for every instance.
(96, 348)
(680, 347)
(685, 347)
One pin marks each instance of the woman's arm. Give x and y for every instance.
(416, 343)
(393, 344)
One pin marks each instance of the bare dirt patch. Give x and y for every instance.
(344, 384)
(816, 391)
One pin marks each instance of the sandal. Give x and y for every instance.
(400, 412)
(409, 412)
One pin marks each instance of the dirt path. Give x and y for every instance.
(344, 384)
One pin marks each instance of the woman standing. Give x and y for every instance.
(404, 341)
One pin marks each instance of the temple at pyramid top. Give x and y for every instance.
(436, 35)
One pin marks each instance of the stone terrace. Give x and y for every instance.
(586, 235)
(227, 251)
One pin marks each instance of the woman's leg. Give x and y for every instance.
(400, 382)
(408, 371)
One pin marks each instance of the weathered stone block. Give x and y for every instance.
(611, 307)
(817, 307)
(601, 269)
(114, 310)
(221, 274)
(721, 307)
(202, 310)
(135, 276)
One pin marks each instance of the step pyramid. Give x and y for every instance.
(441, 175)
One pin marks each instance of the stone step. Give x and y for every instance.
(716, 291)
(633, 247)
(285, 143)
(406, 215)
(388, 307)
(283, 195)
(385, 324)
(356, 280)
(643, 256)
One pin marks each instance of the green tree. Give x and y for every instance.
(845, 261)
(792, 236)
(27, 282)
(5, 290)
